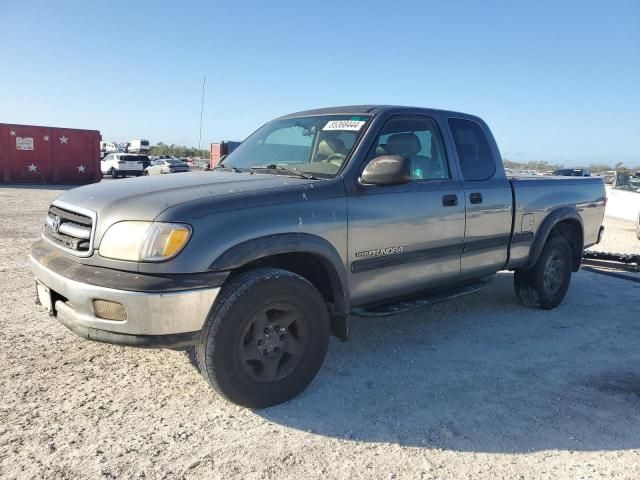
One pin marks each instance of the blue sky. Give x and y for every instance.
(556, 81)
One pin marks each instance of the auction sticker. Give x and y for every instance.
(24, 143)
(353, 125)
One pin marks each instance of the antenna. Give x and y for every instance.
(204, 81)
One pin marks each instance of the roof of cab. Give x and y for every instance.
(366, 110)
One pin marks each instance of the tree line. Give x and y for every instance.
(544, 166)
(177, 150)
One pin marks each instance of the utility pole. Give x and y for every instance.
(204, 81)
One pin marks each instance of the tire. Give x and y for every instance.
(545, 284)
(265, 338)
(114, 173)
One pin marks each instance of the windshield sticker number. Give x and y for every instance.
(352, 125)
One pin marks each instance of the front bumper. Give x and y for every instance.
(171, 318)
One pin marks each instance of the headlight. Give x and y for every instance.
(144, 241)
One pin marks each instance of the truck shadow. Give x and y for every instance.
(485, 374)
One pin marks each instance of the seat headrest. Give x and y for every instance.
(403, 144)
(381, 150)
(329, 146)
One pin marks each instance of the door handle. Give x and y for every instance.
(449, 200)
(475, 197)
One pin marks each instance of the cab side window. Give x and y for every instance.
(473, 150)
(419, 140)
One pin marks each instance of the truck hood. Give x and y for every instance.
(144, 198)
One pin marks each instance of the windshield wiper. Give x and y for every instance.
(222, 166)
(281, 168)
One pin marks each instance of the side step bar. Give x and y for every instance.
(431, 298)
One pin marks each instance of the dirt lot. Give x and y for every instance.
(477, 388)
(619, 237)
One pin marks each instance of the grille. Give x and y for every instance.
(70, 230)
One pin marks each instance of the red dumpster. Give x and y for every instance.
(32, 154)
(219, 150)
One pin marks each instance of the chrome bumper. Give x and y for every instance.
(147, 313)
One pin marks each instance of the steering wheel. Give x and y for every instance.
(336, 159)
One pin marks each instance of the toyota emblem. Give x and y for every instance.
(55, 226)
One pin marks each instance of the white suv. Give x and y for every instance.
(121, 165)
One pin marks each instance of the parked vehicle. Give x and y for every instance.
(166, 165)
(146, 161)
(108, 147)
(608, 176)
(121, 165)
(572, 172)
(623, 199)
(138, 145)
(370, 210)
(200, 164)
(35, 154)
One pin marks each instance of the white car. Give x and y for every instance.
(121, 165)
(166, 165)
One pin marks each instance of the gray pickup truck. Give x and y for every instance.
(367, 210)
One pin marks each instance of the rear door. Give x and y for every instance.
(487, 197)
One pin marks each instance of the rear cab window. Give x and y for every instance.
(474, 152)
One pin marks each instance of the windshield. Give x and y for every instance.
(316, 145)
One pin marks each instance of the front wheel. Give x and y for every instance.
(114, 173)
(546, 283)
(265, 339)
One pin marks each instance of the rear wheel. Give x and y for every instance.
(545, 284)
(265, 339)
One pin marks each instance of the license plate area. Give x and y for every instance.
(44, 297)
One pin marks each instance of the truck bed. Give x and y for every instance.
(535, 197)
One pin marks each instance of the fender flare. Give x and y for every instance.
(283, 243)
(540, 239)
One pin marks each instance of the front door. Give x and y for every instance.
(406, 238)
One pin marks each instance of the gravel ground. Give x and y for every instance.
(476, 388)
(619, 237)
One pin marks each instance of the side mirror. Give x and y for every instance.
(387, 170)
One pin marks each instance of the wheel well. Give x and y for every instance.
(307, 265)
(316, 270)
(571, 230)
